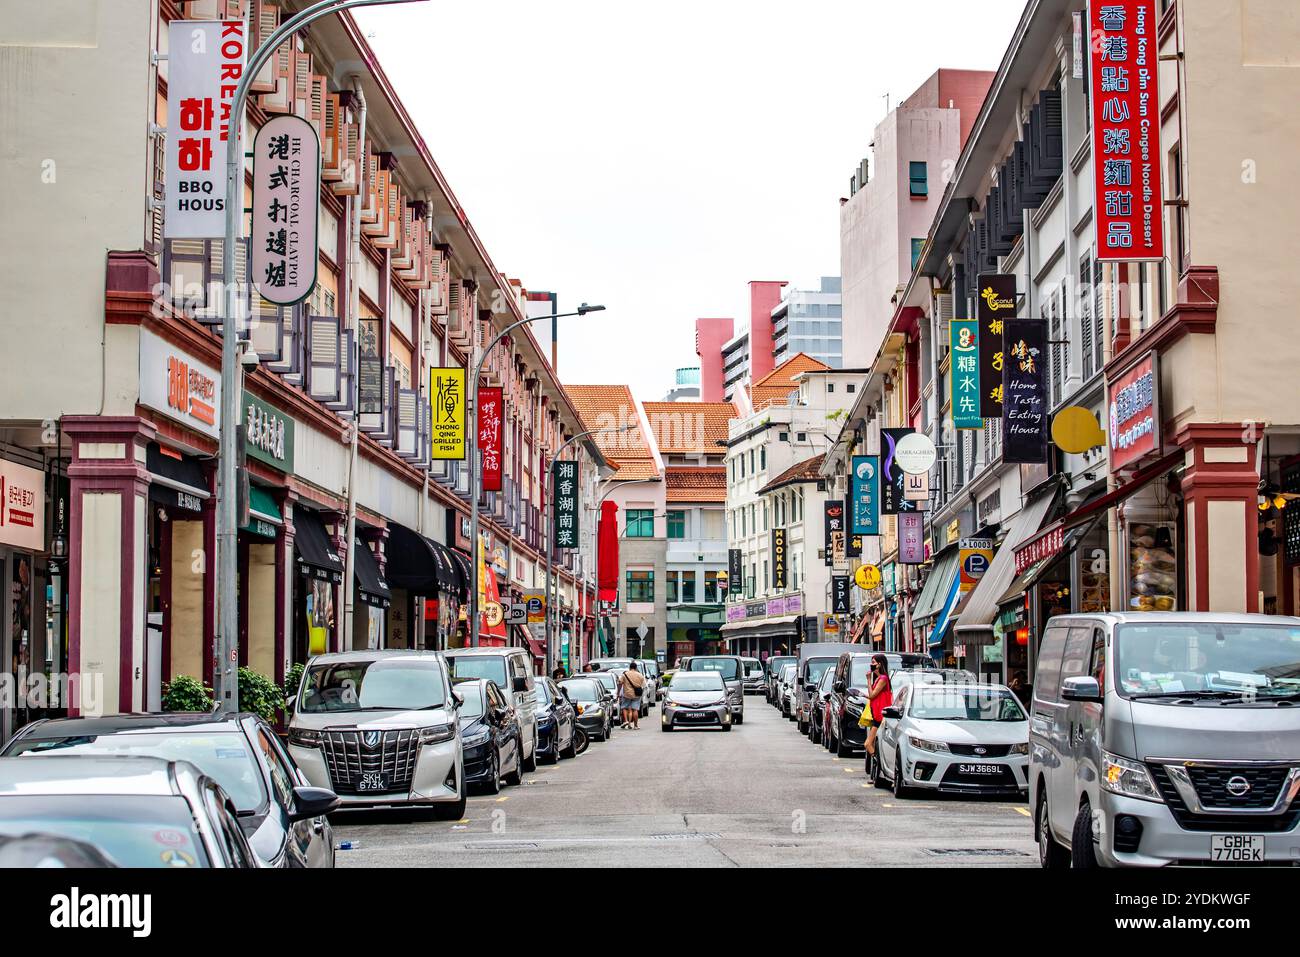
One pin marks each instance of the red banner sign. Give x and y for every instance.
(491, 416)
(1128, 202)
(1134, 414)
(1046, 545)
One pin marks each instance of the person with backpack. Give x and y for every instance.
(631, 685)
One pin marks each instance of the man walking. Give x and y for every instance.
(631, 685)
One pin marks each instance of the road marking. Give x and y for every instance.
(849, 771)
(504, 797)
(1021, 810)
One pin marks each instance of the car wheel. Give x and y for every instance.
(515, 777)
(814, 732)
(901, 790)
(665, 726)
(1083, 856)
(875, 772)
(802, 726)
(1050, 854)
(530, 762)
(451, 811)
(726, 727)
(572, 750)
(493, 783)
(740, 718)
(842, 749)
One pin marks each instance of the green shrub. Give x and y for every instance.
(260, 695)
(292, 680)
(184, 693)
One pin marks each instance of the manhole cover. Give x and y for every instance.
(693, 836)
(975, 852)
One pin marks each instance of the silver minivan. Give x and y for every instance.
(1166, 738)
(512, 670)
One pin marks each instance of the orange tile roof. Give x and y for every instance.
(697, 485)
(682, 428)
(809, 470)
(777, 385)
(613, 407)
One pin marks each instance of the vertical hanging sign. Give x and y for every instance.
(735, 571)
(833, 545)
(286, 201)
(997, 302)
(1024, 381)
(911, 538)
(205, 61)
(565, 503)
(866, 495)
(1123, 64)
(966, 374)
(490, 417)
(893, 499)
(447, 388)
(779, 560)
(840, 595)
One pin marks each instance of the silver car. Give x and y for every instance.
(696, 699)
(1167, 738)
(785, 699)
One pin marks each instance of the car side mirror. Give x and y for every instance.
(839, 687)
(891, 713)
(457, 701)
(810, 687)
(312, 802)
(1081, 689)
(520, 684)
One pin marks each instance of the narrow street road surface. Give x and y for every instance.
(761, 795)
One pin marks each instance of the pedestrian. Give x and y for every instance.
(631, 685)
(558, 674)
(588, 667)
(880, 695)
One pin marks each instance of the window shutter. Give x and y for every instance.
(1085, 317)
(323, 358)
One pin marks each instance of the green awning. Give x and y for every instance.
(264, 518)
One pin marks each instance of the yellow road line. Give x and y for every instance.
(504, 797)
(1021, 810)
(849, 771)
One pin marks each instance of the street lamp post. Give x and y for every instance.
(225, 677)
(475, 470)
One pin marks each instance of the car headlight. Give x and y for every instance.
(921, 744)
(1021, 748)
(474, 740)
(1129, 778)
(437, 734)
(304, 737)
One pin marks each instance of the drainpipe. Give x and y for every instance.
(353, 317)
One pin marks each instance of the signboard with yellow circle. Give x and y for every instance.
(493, 613)
(867, 577)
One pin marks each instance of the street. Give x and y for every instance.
(761, 795)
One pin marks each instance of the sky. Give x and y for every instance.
(656, 158)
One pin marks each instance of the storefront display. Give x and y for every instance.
(1152, 567)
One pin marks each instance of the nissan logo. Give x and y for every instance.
(370, 739)
(1238, 786)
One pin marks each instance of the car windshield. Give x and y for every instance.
(1168, 658)
(753, 668)
(582, 689)
(916, 661)
(828, 678)
(699, 681)
(385, 684)
(542, 694)
(612, 664)
(860, 673)
(129, 831)
(604, 677)
(948, 703)
(817, 667)
(474, 704)
(729, 668)
(787, 673)
(223, 756)
(491, 667)
(650, 667)
(774, 665)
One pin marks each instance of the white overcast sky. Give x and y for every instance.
(657, 157)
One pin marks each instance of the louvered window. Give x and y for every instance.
(323, 358)
(1056, 348)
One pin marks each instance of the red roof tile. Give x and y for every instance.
(697, 484)
(777, 385)
(809, 470)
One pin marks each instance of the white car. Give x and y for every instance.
(379, 728)
(785, 691)
(650, 669)
(959, 738)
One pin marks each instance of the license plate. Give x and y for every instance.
(979, 769)
(1242, 848)
(372, 781)
(695, 714)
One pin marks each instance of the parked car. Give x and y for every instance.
(957, 738)
(850, 683)
(380, 728)
(489, 736)
(556, 722)
(697, 699)
(1167, 738)
(611, 664)
(733, 675)
(512, 670)
(654, 688)
(821, 707)
(773, 666)
(241, 752)
(785, 690)
(755, 676)
(814, 659)
(592, 703)
(128, 811)
(609, 681)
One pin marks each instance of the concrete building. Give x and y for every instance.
(735, 367)
(686, 385)
(111, 412)
(710, 336)
(892, 199)
(809, 321)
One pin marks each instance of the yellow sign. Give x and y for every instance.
(1075, 430)
(494, 614)
(447, 396)
(867, 577)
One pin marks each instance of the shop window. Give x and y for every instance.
(677, 524)
(673, 592)
(688, 587)
(640, 586)
(713, 590)
(640, 523)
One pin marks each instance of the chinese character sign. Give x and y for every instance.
(833, 517)
(911, 538)
(997, 303)
(893, 497)
(965, 370)
(866, 495)
(286, 194)
(490, 423)
(564, 503)
(1128, 204)
(1024, 383)
(205, 62)
(447, 390)
(1134, 414)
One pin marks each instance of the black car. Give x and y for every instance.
(848, 698)
(490, 737)
(281, 816)
(556, 722)
(594, 706)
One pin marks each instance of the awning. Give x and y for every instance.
(535, 645)
(764, 628)
(461, 561)
(371, 587)
(420, 564)
(945, 613)
(860, 628)
(264, 519)
(943, 576)
(316, 555)
(1140, 478)
(975, 626)
(878, 626)
(175, 480)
